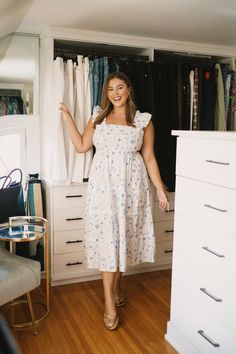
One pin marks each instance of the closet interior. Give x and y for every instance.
(180, 90)
(161, 81)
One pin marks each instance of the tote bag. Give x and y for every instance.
(11, 196)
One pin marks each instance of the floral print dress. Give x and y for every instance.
(119, 228)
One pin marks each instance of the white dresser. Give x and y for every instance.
(203, 310)
(65, 208)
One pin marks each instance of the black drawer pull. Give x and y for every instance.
(72, 264)
(218, 162)
(201, 332)
(73, 219)
(166, 231)
(75, 241)
(209, 250)
(217, 299)
(74, 196)
(170, 211)
(211, 207)
(168, 251)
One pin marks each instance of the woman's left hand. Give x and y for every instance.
(163, 201)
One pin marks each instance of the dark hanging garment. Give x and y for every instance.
(165, 83)
(185, 97)
(207, 98)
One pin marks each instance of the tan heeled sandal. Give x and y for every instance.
(121, 301)
(111, 322)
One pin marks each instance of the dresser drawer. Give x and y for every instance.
(70, 265)
(68, 241)
(190, 319)
(209, 204)
(210, 291)
(164, 230)
(69, 219)
(210, 248)
(207, 160)
(69, 196)
(160, 215)
(164, 250)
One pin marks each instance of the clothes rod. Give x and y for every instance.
(70, 52)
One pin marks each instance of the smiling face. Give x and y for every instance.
(118, 92)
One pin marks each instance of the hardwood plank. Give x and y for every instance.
(75, 323)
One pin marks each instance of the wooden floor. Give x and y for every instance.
(75, 323)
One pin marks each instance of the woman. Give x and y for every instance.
(119, 225)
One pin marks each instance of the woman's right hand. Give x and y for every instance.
(65, 112)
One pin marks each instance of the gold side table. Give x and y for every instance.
(27, 229)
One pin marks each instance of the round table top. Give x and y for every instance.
(22, 233)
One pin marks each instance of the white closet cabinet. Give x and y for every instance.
(66, 237)
(203, 311)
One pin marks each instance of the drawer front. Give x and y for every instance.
(190, 319)
(160, 215)
(68, 241)
(71, 265)
(207, 160)
(68, 219)
(209, 204)
(210, 291)
(164, 251)
(164, 230)
(69, 196)
(210, 248)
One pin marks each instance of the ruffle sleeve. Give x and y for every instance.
(141, 120)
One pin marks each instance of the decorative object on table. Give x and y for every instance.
(11, 195)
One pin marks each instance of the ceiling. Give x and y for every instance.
(201, 21)
(11, 14)
(211, 21)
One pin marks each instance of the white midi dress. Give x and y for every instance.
(119, 229)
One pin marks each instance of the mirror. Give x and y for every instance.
(19, 74)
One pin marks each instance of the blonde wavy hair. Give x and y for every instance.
(107, 106)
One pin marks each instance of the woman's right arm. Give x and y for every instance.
(81, 142)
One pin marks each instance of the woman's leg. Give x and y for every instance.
(117, 285)
(120, 299)
(108, 279)
(111, 319)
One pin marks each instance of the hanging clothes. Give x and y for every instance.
(87, 114)
(165, 88)
(59, 165)
(79, 158)
(220, 103)
(191, 81)
(195, 124)
(11, 105)
(207, 98)
(69, 100)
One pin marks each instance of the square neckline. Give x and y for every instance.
(119, 125)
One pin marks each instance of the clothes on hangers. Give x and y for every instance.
(81, 85)
(11, 105)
